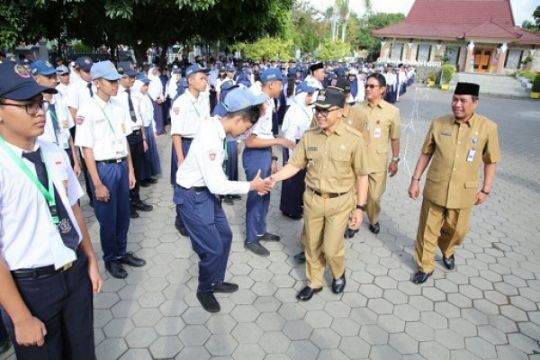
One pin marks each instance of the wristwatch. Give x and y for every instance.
(396, 159)
(361, 207)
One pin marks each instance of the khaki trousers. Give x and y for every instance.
(439, 226)
(325, 221)
(377, 186)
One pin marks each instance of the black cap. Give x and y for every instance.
(331, 96)
(316, 66)
(464, 88)
(18, 84)
(344, 84)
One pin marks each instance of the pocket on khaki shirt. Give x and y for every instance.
(471, 184)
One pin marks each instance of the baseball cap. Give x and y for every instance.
(241, 98)
(231, 68)
(42, 67)
(18, 84)
(104, 70)
(62, 70)
(126, 68)
(304, 87)
(142, 78)
(84, 63)
(271, 74)
(331, 96)
(195, 68)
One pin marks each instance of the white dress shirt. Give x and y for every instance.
(28, 236)
(78, 93)
(122, 97)
(187, 114)
(297, 120)
(263, 126)
(203, 165)
(65, 122)
(102, 126)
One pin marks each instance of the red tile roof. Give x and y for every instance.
(460, 19)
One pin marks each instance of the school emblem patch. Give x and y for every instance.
(21, 71)
(212, 155)
(79, 120)
(176, 110)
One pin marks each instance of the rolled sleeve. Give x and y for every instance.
(429, 143)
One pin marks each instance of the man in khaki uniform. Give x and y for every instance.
(379, 121)
(456, 145)
(335, 158)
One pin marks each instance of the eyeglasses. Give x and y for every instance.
(324, 112)
(371, 86)
(31, 109)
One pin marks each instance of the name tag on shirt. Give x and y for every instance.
(312, 148)
(446, 134)
(377, 133)
(470, 155)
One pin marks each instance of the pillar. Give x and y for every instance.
(501, 57)
(469, 62)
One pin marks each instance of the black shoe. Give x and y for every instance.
(268, 237)
(228, 200)
(300, 257)
(338, 285)
(291, 216)
(116, 269)
(132, 260)
(236, 197)
(226, 287)
(307, 293)
(181, 230)
(421, 277)
(152, 181)
(349, 233)
(134, 214)
(144, 183)
(450, 262)
(256, 248)
(143, 206)
(208, 302)
(5, 345)
(375, 228)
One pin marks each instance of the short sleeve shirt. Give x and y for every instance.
(187, 114)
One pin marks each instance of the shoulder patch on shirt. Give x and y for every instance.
(312, 148)
(79, 120)
(212, 155)
(176, 110)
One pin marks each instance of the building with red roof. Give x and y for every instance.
(475, 35)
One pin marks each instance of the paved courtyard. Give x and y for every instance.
(489, 308)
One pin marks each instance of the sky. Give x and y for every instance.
(523, 9)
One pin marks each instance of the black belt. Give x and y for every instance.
(195, 188)
(186, 138)
(327, 195)
(112, 161)
(43, 270)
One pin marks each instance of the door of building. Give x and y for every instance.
(482, 59)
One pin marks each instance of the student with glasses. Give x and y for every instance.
(334, 156)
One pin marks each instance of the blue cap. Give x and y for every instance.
(42, 67)
(271, 74)
(62, 70)
(340, 71)
(25, 61)
(104, 70)
(142, 78)
(195, 68)
(304, 87)
(291, 71)
(126, 68)
(17, 83)
(84, 63)
(242, 98)
(231, 68)
(183, 83)
(176, 71)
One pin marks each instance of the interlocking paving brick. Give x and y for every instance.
(403, 343)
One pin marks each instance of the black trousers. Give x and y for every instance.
(136, 147)
(64, 303)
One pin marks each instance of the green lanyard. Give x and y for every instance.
(47, 193)
(225, 150)
(106, 117)
(56, 124)
(196, 109)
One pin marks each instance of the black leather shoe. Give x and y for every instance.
(338, 285)
(375, 228)
(144, 183)
(208, 302)
(300, 257)
(307, 293)
(5, 345)
(236, 197)
(450, 262)
(116, 269)
(291, 216)
(143, 206)
(181, 230)
(133, 214)
(152, 180)
(132, 260)
(349, 233)
(256, 248)
(268, 237)
(228, 200)
(421, 277)
(225, 287)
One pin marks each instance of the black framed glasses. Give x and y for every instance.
(31, 109)
(324, 112)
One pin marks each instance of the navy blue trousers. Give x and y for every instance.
(231, 168)
(210, 234)
(3, 331)
(186, 144)
(64, 303)
(256, 206)
(292, 191)
(114, 215)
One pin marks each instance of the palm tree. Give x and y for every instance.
(343, 11)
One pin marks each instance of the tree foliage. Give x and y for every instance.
(366, 40)
(333, 50)
(272, 48)
(533, 26)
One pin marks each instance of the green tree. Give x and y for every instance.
(333, 50)
(268, 48)
(533, 26)
(366, 40)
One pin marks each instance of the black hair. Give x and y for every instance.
(291, 80)
(252, 113)
(379, 77)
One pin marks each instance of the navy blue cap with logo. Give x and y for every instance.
(195, 68)
(271, 74)
(126, 68)
(42, 67)
(18, 84)
(84, 63)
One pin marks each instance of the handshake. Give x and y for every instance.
(260, 185)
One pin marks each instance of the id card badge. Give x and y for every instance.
(119, 147)
(377, 133)
(470, 155)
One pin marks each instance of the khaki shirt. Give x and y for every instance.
(457, 150)
(332, 161)
(380, 124)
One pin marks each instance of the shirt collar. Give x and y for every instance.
(19, 152)
(101, 102)
(339, 130)
(468, 122)
(380, 105)
(219, 126)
